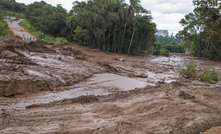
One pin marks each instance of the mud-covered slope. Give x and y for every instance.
(32, 67)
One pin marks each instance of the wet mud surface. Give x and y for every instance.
(47, 88)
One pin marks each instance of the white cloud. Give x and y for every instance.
(166, 13)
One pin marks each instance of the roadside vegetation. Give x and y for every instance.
(189, 70)
(41, 36)
(4, 30)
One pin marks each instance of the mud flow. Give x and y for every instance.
(48, 88)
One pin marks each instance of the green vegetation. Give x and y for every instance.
(110, 25)
(209, 74)
(114, 26)
(41, 36)
(162, 52)
(4, 30)
(170, 43)
(203, 29)
(189, 69)
(13, 6)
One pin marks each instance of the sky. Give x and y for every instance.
(166, 13)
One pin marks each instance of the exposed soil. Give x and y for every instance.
(48, 88)
(31, 67)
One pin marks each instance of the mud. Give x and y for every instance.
(72, 89)
(32, 67)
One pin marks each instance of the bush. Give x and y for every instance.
(209, 74)
(60, 40)
(162, 52)
(188, 69)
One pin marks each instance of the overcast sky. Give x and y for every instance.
(166, 13)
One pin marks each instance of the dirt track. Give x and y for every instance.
(44, 84)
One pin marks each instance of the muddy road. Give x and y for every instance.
(48, 88)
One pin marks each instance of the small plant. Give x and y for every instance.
(188, 69)
(209, 74)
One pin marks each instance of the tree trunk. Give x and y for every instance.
(131, 40)
(104, 42)
(114, 39)
(122, 41)
(108, 39)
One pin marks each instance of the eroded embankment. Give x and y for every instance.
(32, 67)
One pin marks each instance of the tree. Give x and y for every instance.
(48, 19)
(203, 27)
(110, 24)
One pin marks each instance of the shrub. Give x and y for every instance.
(60, 40)
(162, 52)
(188, 69)
(209, 74)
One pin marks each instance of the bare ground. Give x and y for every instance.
(171, 105)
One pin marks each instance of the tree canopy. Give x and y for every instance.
(203, 28)
(114, 26)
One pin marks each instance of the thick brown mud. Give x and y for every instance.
(48, 88)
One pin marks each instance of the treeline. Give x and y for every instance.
(202, 29)
(168, 42)
(12, 5)
(110, 25)
(114, 26)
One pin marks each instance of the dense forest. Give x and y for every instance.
(118, 27)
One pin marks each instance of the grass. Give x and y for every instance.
(189, 70)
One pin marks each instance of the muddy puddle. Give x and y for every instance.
(99, 84)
